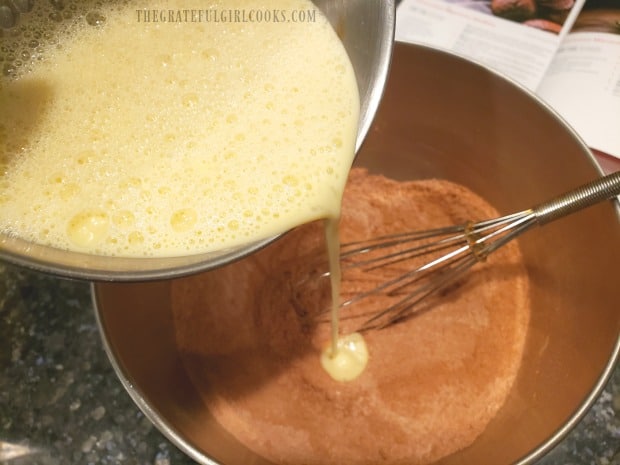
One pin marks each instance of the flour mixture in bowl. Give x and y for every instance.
(251, 341)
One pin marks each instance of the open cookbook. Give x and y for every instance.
(565, 51)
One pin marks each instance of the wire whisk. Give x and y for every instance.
(453, 250)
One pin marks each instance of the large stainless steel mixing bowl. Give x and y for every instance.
(366, 28)
(490, 135)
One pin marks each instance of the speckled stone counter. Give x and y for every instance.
(61, 403)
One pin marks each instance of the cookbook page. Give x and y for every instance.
(583, 81)
(516, 37)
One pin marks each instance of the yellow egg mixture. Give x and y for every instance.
(167, 138)
(137, 137)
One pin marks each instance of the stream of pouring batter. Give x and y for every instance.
(346, 356)
(198, 137)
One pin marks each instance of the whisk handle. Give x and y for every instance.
(577, 199)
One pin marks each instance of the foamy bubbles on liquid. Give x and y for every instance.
(199, 136)
(28, 28)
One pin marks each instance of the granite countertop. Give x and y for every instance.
(61, 402)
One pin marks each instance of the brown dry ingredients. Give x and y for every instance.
(432, 384)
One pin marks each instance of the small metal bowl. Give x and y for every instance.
(441, 116)
(366, 29)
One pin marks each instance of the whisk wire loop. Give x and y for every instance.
(451, 251)
(443, 239)
(410, 303)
